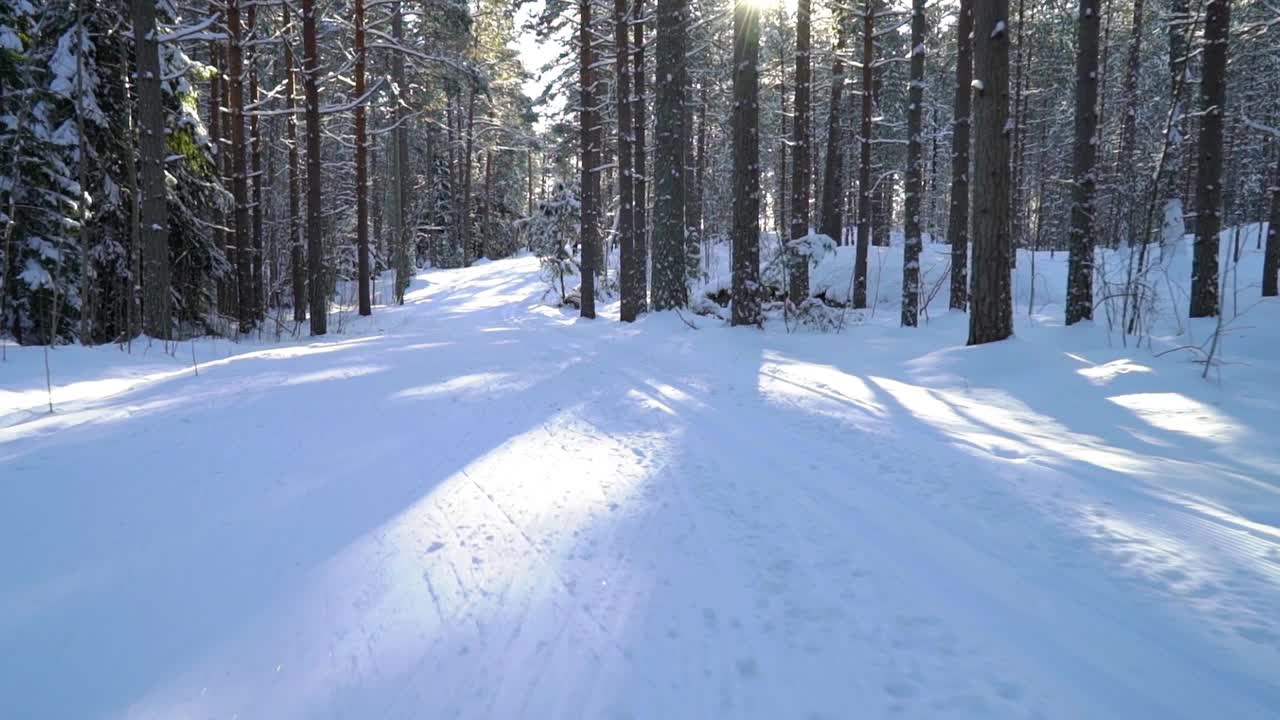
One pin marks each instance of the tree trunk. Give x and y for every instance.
(82, 170)
(464, 217)
(915, 171)
(296, 255)
(631, 280)
(1213, 97)
(692, 207)
(991, 317)
(486, 202)
(156, 314)
(700, 173)
(255, 154)
(782, 220)
(589, 240)
(1179, 17)
(746, 163)
(1016, 229)
(215, 139)
(362, 170)
(669, 289)
(1129, 121)
(400, 185)
(800, 156)
(1271, 258)
(833, 172)
(958, 220)
(1084, 180)
(640, 190)
(240, 173)
(315, 249)
(232, 303)
(882, 201)
(133, 287)
(864, 164)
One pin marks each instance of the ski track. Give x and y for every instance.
(487, 508)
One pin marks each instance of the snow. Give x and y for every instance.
(478, 506)
(34, 275)
(9, 39)
(1173, 227)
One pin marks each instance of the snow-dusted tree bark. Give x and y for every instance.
(362, 168)
(782, 218)
(82, 171)
(746, 163)
(1179, 17)
(216, 85)
(464, 215)
(700, 173)
(631, 282)
(915, 171)
(639, 171)
(1271, 256)
(240, 173)
(832, 221)
(1213, 98)
(400, 232)
(1129, 119)
(864, 161)
(1083, 175)
(991, 315)
(156, 312)
(311, 98)
(801, 140)
(297, 257)
(133, 284)
(590, 241)
(255, 170)
(669, 288)
(958, 220)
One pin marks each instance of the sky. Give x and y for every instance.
(533, 53)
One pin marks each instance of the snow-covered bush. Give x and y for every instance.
(550, 230)
(815, 315)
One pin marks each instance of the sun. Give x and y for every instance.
(788, 5)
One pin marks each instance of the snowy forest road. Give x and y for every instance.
(486, 508)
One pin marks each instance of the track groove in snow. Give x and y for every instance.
(483, 507)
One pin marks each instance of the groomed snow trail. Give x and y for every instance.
(486, 508)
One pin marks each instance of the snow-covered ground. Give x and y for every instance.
(479, 506)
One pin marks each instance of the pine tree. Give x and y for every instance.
(240, 173)
(590, 240)
(1080, 265)
(1209, 163)
(632, 280)
(915, 170)
(311, 100)
(864, 164)
(746, 163)
(833, 169)
(958, 221)
(1271, 257)
(669, 289)
(155, 223)
(297, 251)
(991, 317)
(639, 172)
(801, 157)
(41, 193)
(362, 167)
